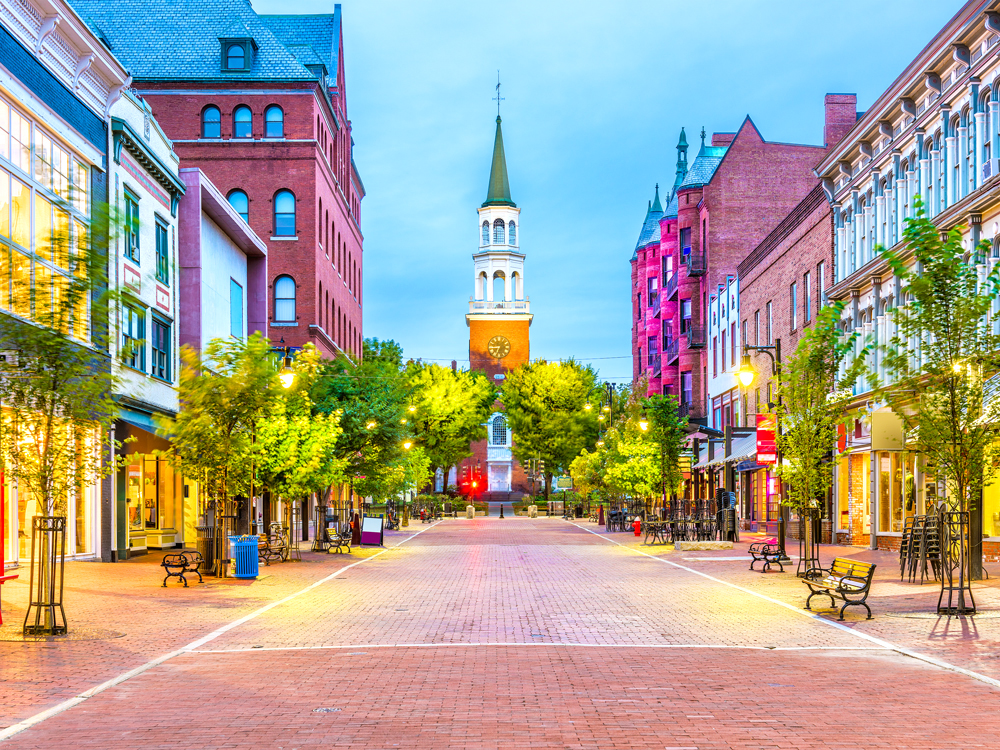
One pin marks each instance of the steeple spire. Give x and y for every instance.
(498, 193)
(656, 201)
(682, 160)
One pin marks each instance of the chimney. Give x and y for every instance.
(840, 113)
(722, 139)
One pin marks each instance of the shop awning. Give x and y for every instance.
(742, 448)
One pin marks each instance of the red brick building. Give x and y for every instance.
(258, 103)
(736, 190)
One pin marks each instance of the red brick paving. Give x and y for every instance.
(668, 658)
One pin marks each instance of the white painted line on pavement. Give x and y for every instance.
(560, 644)
(811, 615)
(8, 732)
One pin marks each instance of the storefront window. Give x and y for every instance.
(897, 490)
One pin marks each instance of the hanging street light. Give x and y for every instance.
(286, 375)
(746, 374)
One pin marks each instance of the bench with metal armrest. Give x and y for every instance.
(339, 540)
(767, 553)
(845, 579)
(178, 563)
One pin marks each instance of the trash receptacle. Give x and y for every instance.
(243, 556)
(205, 544)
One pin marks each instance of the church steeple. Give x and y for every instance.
(682, 160)
(498, 193)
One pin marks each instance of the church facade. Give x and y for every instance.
(499, 321)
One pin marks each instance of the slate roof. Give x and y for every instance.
(704, 166)
(670, 212)
(179, 39)
(650, 226)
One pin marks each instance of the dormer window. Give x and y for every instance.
(237, 55)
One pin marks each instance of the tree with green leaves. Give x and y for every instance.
(813, 397)
(938, 359)
(57, 378)
(667, 429)
(544, 403)
(448, 410)
(295, 450)
(371, 397)
(226, 393)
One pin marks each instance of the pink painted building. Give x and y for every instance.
(222, 267)
(736, 190)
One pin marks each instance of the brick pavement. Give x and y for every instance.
(605, 648)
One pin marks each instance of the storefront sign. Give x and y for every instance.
(841, 438)
(767, 446)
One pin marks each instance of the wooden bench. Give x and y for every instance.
(339, 541)
(178, 563)
(272, 546)
(766, 553)
(845, 579)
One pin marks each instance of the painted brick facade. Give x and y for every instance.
(800, 251)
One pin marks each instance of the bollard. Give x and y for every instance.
(470, 511)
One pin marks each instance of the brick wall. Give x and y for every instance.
(795, 248)
(313, 161)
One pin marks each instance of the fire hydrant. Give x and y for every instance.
(637, 526)
(423, 515)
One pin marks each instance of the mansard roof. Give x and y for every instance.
(179, 39)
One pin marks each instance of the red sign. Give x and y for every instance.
(841, 438)
(767, 446)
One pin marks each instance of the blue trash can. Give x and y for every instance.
(243, 553)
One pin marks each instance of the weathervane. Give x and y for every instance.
(498, 98)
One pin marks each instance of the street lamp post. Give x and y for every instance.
(746, 376)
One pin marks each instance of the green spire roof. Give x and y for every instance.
(656, 201)
(499, 190)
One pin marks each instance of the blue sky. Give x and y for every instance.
(596, 94)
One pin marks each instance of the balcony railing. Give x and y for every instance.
(696, 337)
(501, 306)
(695, 262)
(671, 348)
(670, 287)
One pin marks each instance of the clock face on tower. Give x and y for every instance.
(498, 346)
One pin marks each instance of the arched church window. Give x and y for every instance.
(498, 232)
(499, 431)
(486, 233)
(512, 233)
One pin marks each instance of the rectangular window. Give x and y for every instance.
(134, 336)
(715, 356)
(161, 350)
(652, 353)
(4, 129)
(668, 333)
(769, 322)
(651, 291)
(81, 186)
(756, 328)
(806, 298)
(235, 309)
(723, 357)
(744, 338)
(793, 302)
(131, 228)
(686, 391)
(685, 241)
(667, 263)
(685, 315)
(638, 304)
(732, 342)
(20, 142)
(821, 284)
(162, 253)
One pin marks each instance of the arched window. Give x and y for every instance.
(238, 200)
(284, 299)
(284, 214)
(274, 122)
(511, 233)
(498, 232)
(242, 122)
(236, 57)
(499, 291)
(486, 233)
(498, 431)
(211, 122)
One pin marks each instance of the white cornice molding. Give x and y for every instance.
(66, 46)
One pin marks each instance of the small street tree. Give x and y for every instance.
(449, 409)
(667, 429)
(937, 362)
(225, 394)
(544, 404)
(57, 380)
(811, 406)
